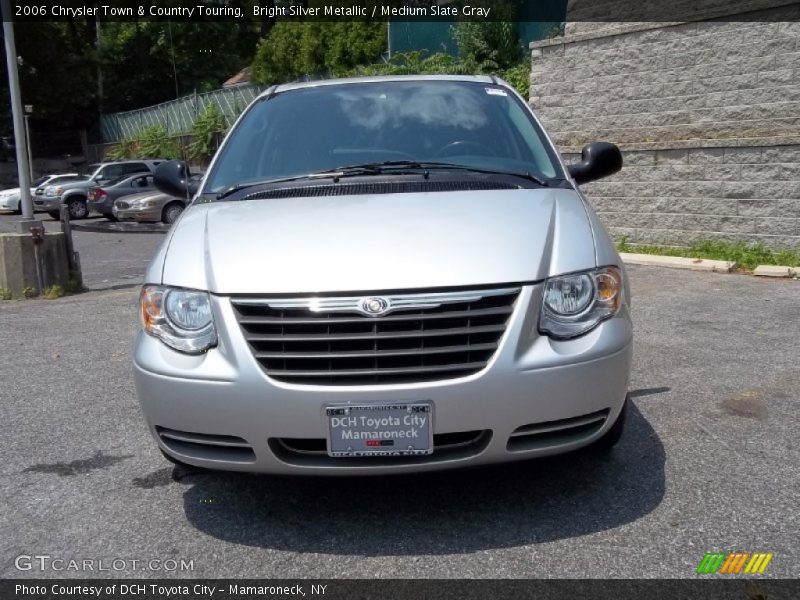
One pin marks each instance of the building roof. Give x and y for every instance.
(241, 77)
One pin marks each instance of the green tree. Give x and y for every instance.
(144, 62)
(297, 49)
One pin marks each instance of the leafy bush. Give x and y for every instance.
(6, 294)
(519, 76)
(489, 45)
(124, 149)
(205, 132)
(154, 142)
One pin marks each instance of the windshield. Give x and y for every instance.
(316, 129)
(40, 181)
(89, 171)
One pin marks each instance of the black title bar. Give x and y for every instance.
(707, 588)
(617, 11)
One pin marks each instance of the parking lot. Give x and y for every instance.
(709, 460)
(107, 259)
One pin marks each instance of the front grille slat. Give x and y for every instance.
(392, 371)
(418, 333)
(329, 341)
(257, 320)
(375, 353)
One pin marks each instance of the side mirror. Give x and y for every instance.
(172, 177)
(598, 159)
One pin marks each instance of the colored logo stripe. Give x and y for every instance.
(758, 563)
(734, 562)
(711, 562)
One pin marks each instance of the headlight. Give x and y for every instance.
(575, 304)
(180, 318)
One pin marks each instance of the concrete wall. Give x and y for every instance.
(707, 114)
(18, 268)
(679, 196)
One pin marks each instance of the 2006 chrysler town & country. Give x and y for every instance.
(384, 275)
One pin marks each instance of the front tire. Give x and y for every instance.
(54, 214)
(77, 208)
(172, 212)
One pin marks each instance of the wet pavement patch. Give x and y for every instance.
(748, 403)
(78, 467)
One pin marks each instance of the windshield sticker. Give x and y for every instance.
(496, 92)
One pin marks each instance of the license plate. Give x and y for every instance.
(380, 430)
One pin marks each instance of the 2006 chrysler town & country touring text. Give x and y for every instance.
(384, 275)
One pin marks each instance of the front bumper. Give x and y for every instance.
(224, 397)
(47, 203)
(9, 203)
(137, 214)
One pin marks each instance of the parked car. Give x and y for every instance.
(8, 150)
(385, 275)
(152, 206)
(101, 199)
(10, 199)
(75, 195)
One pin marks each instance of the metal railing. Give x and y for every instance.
(178, 116)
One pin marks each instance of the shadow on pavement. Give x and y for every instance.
(441, 513)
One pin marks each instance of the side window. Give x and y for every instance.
(134, 168)
(109, 172)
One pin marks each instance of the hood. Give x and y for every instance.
(377, 242)
(72, 185)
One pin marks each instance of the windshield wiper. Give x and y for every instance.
(243, 186)
(395, 167)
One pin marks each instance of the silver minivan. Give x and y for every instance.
(385, 275)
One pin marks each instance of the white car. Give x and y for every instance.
(10, 199)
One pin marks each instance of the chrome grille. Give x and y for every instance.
(333, 341)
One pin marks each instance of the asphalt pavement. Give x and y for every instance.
(709, 461)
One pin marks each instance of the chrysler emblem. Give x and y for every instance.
(375, 306)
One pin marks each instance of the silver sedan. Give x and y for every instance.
(385, 275)
(149, 207)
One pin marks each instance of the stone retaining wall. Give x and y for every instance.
(707, 114)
